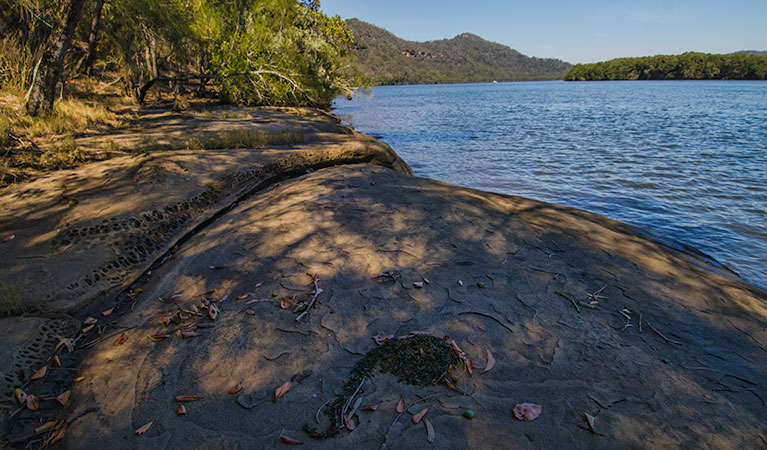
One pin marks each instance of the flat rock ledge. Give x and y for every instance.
(580, 314)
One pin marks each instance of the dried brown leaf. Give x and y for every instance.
(289, 440)
(39, 374)
(235, 389)
(301, 376)
(20, 395)
(469, 366)
(189, 334)
(31, 402)
(285, 304)
(527, 411)
(490, 362)
(282, 390)
(187, 398)
(429, 430)
(181, 410)
(418, 416)
(350, 423)
(426, 280)
(108, 312)
(45, 427)
(157, 337)
(250, 312)
(166, 320)
(9, 237)
(90, 321)
(56, 361)
(212, 312)
(59, 436)
(418, 284)
(144, 428)
(241, 297)
(63, 399)
(460, 283)
(121, 340)
(401, 404)
(371, 406)
(451, 386)
(88, 328)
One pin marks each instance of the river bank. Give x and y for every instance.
(229, 274)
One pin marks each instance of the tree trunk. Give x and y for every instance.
(95, 26)
(42, 92)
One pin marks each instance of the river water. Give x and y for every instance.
(684, 159)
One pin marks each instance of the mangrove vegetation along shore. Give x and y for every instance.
(687, 66)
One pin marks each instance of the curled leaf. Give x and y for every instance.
(31, 402)
(166, 320)
(181, 410)
(9, 237)
(469, 366)
(592, 422)
(45, 427)
(40, 373)
(282, 390)
(121, 340)
(158, 337)
(285, 304)
(90, 321)
(401, 404)
(20, 395)
(371, 406)
(490, 362)
(429, 430)
(235, 389)
(143, 429)
(289, 440)
(187, 398)
(349, 423)
(59, 436)
(56, 361)
(212, 312)
(107, 312)
(64, 397)
(418, 416)
(527, 411)
(241, 297)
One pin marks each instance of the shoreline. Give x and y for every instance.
(557, 293)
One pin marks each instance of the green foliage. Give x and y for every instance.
(386, 59)
(687, 66)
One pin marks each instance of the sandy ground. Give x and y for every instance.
(581, 314)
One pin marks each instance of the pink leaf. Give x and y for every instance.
(527, 411)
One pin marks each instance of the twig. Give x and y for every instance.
(317, 292)
(489, 317)
(317, 414)
(669, 341)
(349, 401)
(567, 297)
(103, 338)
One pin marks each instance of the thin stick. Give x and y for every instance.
(348, 402)
(567, 297)
(317, 292)
(103, 338)
(489, 317)
(317, 414)
(669, 341)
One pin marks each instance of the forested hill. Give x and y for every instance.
(386, 59)
(687, 66)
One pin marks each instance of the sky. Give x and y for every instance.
(576, 31)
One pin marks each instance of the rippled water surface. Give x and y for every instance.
(685, 159)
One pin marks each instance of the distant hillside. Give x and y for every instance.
(687, 66)
(752, 52)
(386, 59)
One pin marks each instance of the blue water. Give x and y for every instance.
(685, 159)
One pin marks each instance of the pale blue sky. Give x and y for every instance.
(578, 31)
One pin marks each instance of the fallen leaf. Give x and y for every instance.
(8, 238)
(64, 398)
(66, 343)
(417, 417)
(429, 430)
(460, 283)
(121, 340)
(88, 328)
(490, 362)
(90, 321)
(451, 386)
(20, 395)
(78, 379)
(56, 361)
(39, 374)
(469, 366)
(107, 312)
(457, 349)
(527, 411)
(45, 427)
(235, 389)
(381, 339)
(250, 312)
(426, 280)
(31, 402)
(177, 334)
(481, 285)
(181, 410)
(157, 337)
(418, 284)
(285, 304)
(166, 320)
(241, 297)
(189, 334)
(301, 376)
(212, 312)
(143, 429)
(401, 404)
(137, 291)
(59, 436)
(289, 440)
(282, 390)
(371, 406)
(592, 422)
(350, 423)
(187, 398)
